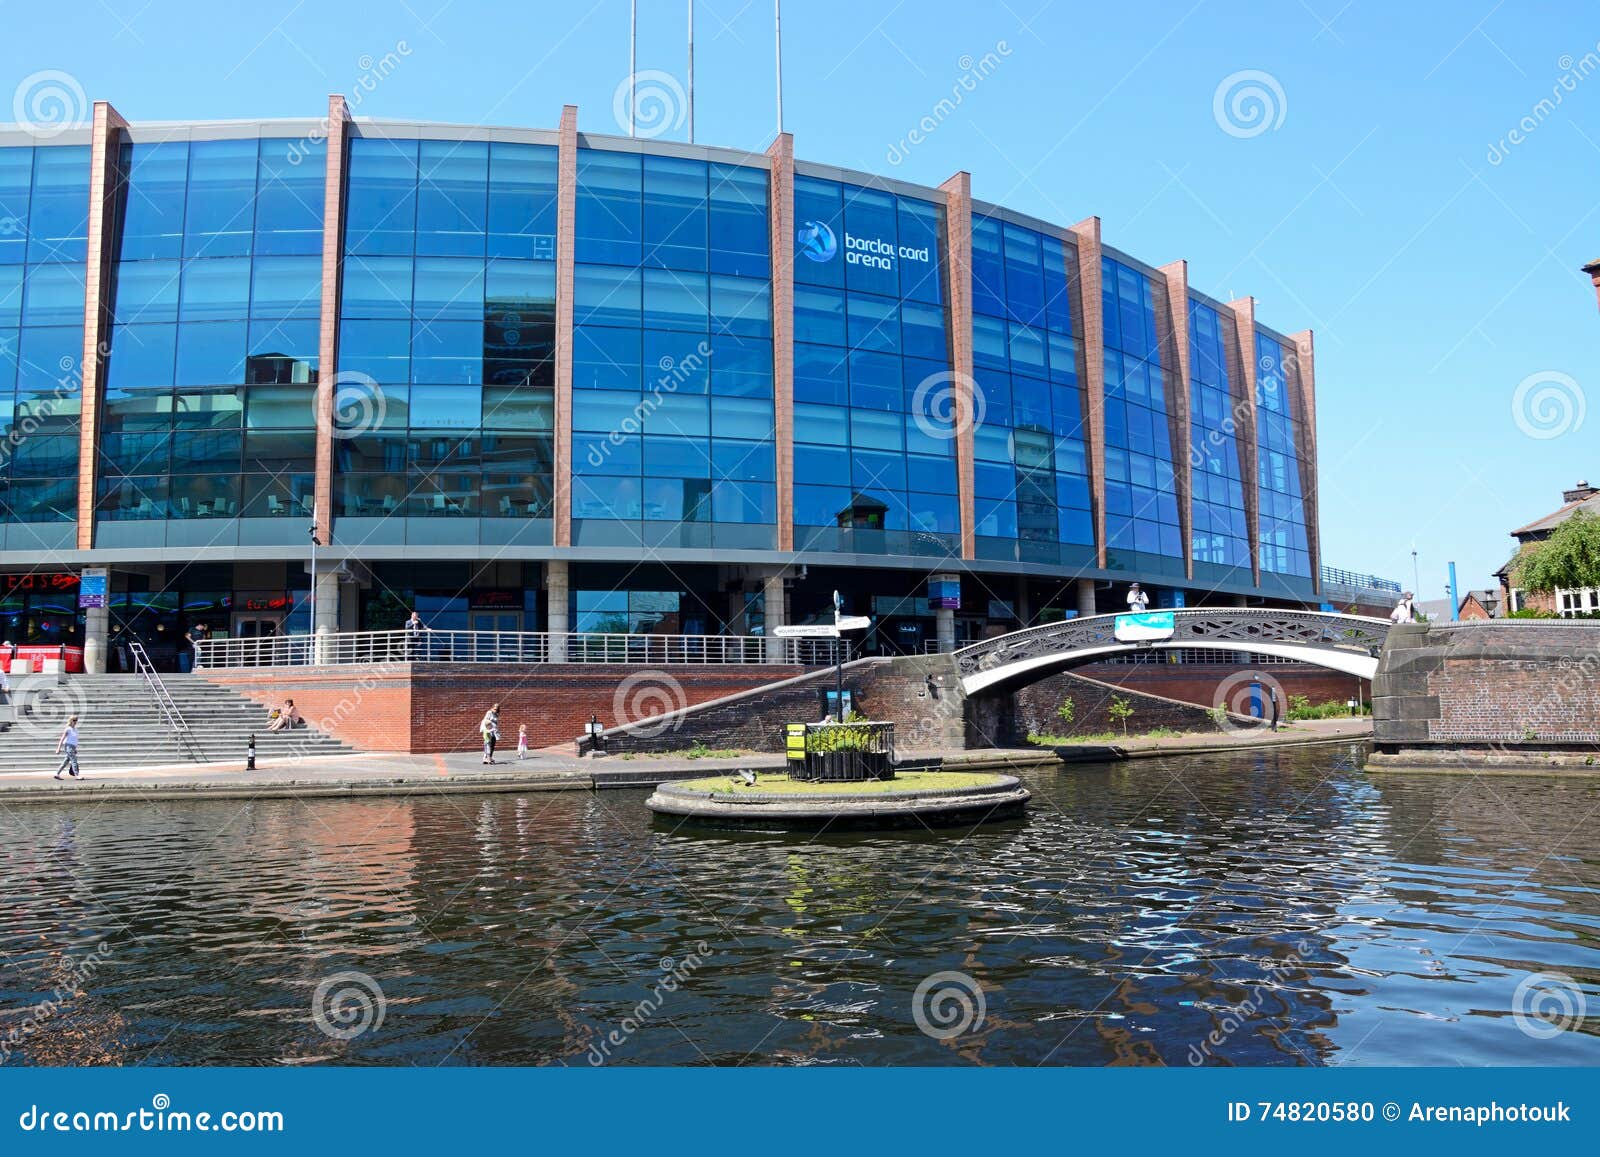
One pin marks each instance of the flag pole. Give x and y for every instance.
(691, 72)
(777, 31)
(633, 64)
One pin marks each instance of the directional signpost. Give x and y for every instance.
(841, 623)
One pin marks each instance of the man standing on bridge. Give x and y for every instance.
(1138, 600)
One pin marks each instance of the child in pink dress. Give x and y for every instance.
(522, 741)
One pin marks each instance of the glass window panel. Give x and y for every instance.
(53, 295)
(749, 418)
(152, 218)
(11, 294)
(147, 291)
(738, 221)
(283, 351)
(522, 201)
(874, 322)
(50, 358)
(675, 216)
(377, 287)
(141, 356)
(215, 289)
(741, 305)
(219, 216)
(819, 316)
(819, 229)
(452, 197)
(58, 212)
(675, 300)
(280, 407)
(447, 352)
(286, 287)
(608, 208)
(381, 200)
(868, 246)
(448, 287)
(380, 350)
(289, 195)
(517, 409)
(606, 295)
(211, 353)
(918, 255)
(605, 358)
(445, 408)
(16, 183)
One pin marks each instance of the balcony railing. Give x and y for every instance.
(1351, 582)
(382, 647)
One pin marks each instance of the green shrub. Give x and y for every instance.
(1120, 711)
(1067, 711)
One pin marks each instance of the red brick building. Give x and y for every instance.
(1582, 497)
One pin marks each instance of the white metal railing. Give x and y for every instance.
(431, 646)
(158, 691)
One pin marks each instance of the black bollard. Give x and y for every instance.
(250, 755)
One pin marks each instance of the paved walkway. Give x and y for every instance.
(387, 773)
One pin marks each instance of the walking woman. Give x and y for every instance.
(490, 728)
(68, 744)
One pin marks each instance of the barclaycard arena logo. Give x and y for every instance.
(817, 241)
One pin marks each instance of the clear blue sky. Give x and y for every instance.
(1436, 280)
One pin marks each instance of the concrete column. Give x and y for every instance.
(1024, 606)
(566, 223)
(328, 334)
(1085, 597)
(958, 256)
(324, 610)
(555, 594)
(944, 629)
(1241, 600)
(1089, 326)
(104, 185)
(1241, 358)
(780, 194)
(776, 609)
(96, 633)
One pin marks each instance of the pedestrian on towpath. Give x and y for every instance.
(522, 741)
(67, 748)
(1138, 600)
(490, 729)
(1403, 611)
(1273, 691)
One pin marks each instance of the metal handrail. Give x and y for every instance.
(158, 689)
(443, 646)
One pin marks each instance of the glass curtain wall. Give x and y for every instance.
(444, 407)
(874, 414)
(1220, 538)
(1031, 470)
(44, 214)
(209, 411)
(1142, 530)
(672, 409)
(1282, 505)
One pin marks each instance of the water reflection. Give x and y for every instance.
(1258, 909)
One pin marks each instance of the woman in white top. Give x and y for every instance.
(489, 728)
(68, 744)
(1402, 612)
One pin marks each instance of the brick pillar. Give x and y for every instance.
(1241, 356)
(105, 182)
(333, 183)
(958, 257)
(1305, 394)
(780, 200)
(1089, 326)
(566, 222)
(1175, 360)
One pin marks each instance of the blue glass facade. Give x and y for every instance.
(1142, 528)
(444, 330)
(44, 213)
(874, 422)
(209, 410)
(672, 412)
(1283, 512)
(1030, 449)
(1219, 538)
(444, 399)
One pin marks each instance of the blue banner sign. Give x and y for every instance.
(1144, 627)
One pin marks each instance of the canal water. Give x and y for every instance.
(1264, 908)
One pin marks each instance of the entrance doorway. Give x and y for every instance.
(254, 625)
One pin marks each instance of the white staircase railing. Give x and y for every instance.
(164, 701)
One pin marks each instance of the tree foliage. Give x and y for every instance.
(1569, 558)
